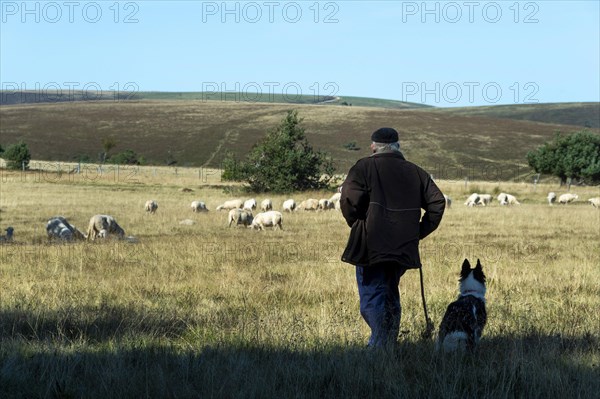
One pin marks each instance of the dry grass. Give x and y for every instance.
(203, 310)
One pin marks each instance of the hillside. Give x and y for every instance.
(41, 96)
(197, 133)
(578, 114)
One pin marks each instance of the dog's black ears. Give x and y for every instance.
(479, 265)
(466, 269)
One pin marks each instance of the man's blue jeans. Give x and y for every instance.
(380, 300)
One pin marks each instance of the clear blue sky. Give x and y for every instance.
(440, 53)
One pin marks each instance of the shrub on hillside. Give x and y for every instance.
(17, 156)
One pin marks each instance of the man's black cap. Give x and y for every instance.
(385, 135)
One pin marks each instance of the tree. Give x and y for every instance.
(108, 143)
(127, 157)
(17, 155)
(1, 149)
(576, 156)
(283, 162)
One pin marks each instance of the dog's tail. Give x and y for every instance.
(455, 341)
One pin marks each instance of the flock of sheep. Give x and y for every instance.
(241, 213)
(508, 199)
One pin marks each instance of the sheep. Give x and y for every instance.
(335, 201)
(9, 235)
(151, 206)
(267, 219)
(507, 199)
(473, 200)
(448, 201)
(240, 216)
(310, 204)
(324, 204)
(289, 205)
(266, 205)
(199, 206)
(59, 227)
(567, 198)
(250, 204)
(231, 204)
(595, 202)
(103, 225)
(551, 198)
(485, 199)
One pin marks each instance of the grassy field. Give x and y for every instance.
(580, 114)
(200, 133)
(208, 311)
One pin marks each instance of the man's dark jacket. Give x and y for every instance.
(389, 192)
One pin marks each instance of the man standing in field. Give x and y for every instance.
(388, 192)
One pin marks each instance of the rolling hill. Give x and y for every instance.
(579, 114)
(197, 133)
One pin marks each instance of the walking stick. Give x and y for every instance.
(429, 324)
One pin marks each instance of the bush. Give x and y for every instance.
(17, 155)
(576, 156)
(283, 162)
(351, 146)
(127, 157)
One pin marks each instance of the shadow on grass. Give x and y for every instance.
(37, 361)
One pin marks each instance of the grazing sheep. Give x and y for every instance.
(310, 204)
(58, 227)
(595, 202)
(199, 206)
(324, 205)
(151, 206)
(473, 200)
(507, 199)
(551, 198)
(289, 205)
(250, 204)
(266, 205)
(103, 225)
(240, 216)
(9, 235)
(448, 201)
(335, 200)
(267, 219)
(231, 204)
(567, 198)
(485, 199)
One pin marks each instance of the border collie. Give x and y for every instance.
(465, 318)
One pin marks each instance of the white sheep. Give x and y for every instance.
(199, 206)
(485, 199)
(448, 201)
(289, 205)
(551, 198)
(103, 225)
(595, 202)
(567, 198)
(268, 219)
(240, 216)
(58, 227)
(335, 201)
(231, 204)
(324, 205)
(250, 204)
(310, 204)
(507, 199)
(9, 235)
(151, 206)
(473, 200)
(266, 205)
